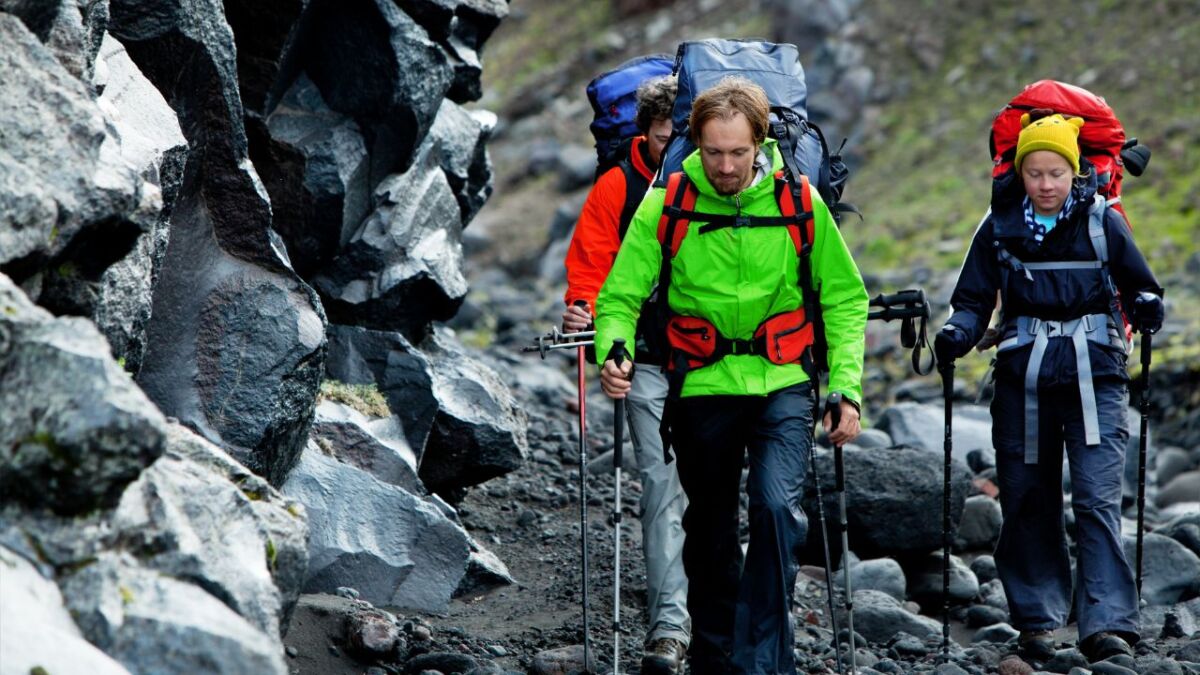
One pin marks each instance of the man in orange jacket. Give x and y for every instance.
(606, 215)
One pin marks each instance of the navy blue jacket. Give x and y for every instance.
(1053, 295)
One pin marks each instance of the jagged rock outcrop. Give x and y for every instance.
(236, 350)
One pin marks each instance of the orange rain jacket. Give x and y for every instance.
(597, 233)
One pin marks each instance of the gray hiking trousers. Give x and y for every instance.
(662, 506)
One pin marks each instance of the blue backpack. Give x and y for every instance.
(613, 96)
(776, 68)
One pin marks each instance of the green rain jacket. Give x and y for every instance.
(736, 278)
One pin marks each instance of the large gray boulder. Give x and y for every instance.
(313, 162)
(38, 631)
(375, 445)
(878, 616)
(479, 431)
(1170, 572)
(893, 500)
(922, 426)
(403, 267)
(62, 196)
(188, 518)
(137, 616)
(374, 63)
(74, 430)
(395, 548)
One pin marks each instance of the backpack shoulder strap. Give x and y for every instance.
(802, 237)
(635, 189)
(1096, 214)
(672, 225)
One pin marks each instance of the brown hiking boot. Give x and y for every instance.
(663, 656)
(1100, 646)
(1036, 645)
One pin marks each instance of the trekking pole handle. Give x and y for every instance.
(617, 353)
(833, 407)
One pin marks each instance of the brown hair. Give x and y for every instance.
(655, 100)
(730, 96)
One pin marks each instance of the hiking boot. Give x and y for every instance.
(663, 656)
(1100, 646)
(1036, 645)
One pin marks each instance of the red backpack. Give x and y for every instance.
(1102, 138)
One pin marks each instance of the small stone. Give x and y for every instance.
(979, 616)
(1013, 665)
(334, 650)
(347, 592)
(1066, 659)
(292, 652)
(497, 650)
(421, 633)
(1110, 668)
(984, 568)
(998, 633)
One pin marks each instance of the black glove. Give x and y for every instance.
(1147, 313)
(949, 344)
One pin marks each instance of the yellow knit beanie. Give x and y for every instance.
(1054, 133)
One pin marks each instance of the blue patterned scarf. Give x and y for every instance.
(1039, 230)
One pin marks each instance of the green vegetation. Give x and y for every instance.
(126, 594)
(271, 554)
(365, 398)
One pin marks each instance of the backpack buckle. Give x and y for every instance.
(741, 221)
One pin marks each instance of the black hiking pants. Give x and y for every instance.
(741, 608)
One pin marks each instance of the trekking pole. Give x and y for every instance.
(581, 361)
(837, 652)
(618, 352)
(833, 406)
(1142, 443)
(947, 370)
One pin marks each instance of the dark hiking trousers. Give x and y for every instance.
(741, 610)
(1031, 556)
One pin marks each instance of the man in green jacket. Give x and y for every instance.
(741, 343)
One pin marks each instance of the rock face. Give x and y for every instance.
(137, 615)
(893, 500)
(74, 430)
(396, 549)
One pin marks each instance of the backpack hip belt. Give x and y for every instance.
(784, 338)
(1023, 330)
